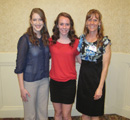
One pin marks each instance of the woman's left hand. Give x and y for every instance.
(98, 94)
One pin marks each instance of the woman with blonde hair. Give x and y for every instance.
(95, 52)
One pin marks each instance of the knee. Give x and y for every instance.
(95, 118)
(58, 113)
(85, 117)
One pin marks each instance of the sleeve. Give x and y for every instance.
(80, 43)
(50, 41)
(106, 41)
(76, 51)
(22, 50)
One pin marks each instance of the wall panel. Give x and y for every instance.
(117, 87)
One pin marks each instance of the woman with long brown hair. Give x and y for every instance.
(32, 67)
(63, 49)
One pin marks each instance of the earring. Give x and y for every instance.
(99, 27)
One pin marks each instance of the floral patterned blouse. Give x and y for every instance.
(89, 51)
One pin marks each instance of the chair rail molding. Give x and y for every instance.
(117, 87)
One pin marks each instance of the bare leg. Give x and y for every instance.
(95, 118)
(58, 111)
(86, 117)
(66, 111)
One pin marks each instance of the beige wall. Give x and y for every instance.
(14, 17)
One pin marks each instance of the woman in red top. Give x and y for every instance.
(63, 49)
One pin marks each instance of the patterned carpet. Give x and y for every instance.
(105, 117)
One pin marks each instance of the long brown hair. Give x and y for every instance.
(71, 33)
(44, 31)
(100, 33)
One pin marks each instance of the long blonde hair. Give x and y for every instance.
(100, 33)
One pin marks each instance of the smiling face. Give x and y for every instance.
(37, 23)
(63, 25)
(92, 23)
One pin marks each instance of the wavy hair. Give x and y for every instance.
(44, 31)
(100, 33)
(56, 33)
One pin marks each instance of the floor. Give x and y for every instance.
(105, 117)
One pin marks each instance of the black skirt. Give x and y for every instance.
(62, 92)
(89, 78)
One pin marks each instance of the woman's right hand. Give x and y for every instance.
(24, 94)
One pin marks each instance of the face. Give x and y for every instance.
(64, 26)
(37, 23)
(92, 23)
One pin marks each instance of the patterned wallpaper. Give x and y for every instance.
(14, 19)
